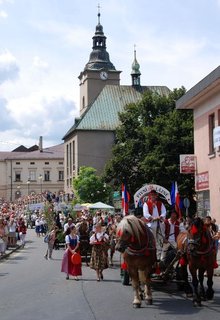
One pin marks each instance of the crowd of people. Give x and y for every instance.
(15, 217)
(13, 226)
(99, 228)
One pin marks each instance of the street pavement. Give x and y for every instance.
(34, 288)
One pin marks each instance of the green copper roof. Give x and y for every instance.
(102, 114)
(135, 66)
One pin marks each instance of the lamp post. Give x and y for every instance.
(40, 178)
(18, 193)
(28, 186)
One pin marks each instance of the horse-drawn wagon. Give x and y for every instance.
(195, 252)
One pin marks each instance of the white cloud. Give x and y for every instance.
(38, 114)
(40, 64)
(171, 52)
(70, 34)
(9, 68)
(3, 14)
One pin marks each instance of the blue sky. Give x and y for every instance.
(45, 44)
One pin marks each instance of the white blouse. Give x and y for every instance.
(99, 236)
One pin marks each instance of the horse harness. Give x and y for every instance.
(196, 242)
(143, 251)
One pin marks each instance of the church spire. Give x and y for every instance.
(99, 57)
(135, 72)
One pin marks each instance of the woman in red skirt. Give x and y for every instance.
(72, 244)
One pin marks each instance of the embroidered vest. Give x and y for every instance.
(150, 207)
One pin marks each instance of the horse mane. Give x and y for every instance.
(134, 226)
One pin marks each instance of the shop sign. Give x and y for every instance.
(187, 163)
(202, 180)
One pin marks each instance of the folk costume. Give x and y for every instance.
(22, 229)
(50, 244)
(154, 212)
(172, 229)
(99, 255)
(67, 266)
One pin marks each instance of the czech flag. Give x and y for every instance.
(175, 198)
(125, 200)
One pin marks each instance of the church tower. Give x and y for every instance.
(135, 72)
(98, 72)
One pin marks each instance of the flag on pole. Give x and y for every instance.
(175, 198)
(125, 200)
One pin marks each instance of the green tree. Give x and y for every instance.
(149, 141)
(89, 187)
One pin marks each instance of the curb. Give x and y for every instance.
(6, 255)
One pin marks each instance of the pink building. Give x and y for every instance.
(204, 99)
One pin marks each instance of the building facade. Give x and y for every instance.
(25, 173)
(204, 99)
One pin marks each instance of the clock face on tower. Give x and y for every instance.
(103, 75)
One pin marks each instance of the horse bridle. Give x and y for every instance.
(197, 242)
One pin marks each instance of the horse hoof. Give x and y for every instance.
(142, 296)
(136, 305)
(189, 295)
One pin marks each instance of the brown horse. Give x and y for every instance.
(136, 242)
(198, 253)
